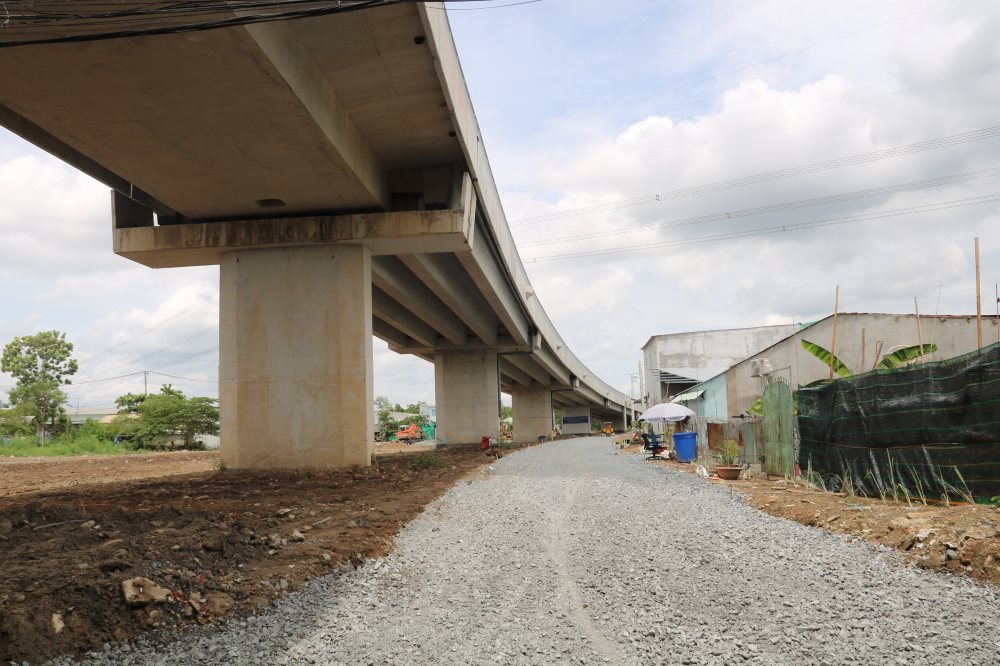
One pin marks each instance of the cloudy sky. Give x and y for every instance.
(665, 166)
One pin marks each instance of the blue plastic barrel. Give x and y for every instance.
(686, 445)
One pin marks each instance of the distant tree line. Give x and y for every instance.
(41, 364)
(388, 424)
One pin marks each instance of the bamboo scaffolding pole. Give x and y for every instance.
(979, 299)
(833, 347)
(863, 360)
(920, 334)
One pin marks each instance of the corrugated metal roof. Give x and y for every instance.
(689, 395)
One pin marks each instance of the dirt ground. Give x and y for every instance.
(25, 475)
(963, 539)
(211, 543)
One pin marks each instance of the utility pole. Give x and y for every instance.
(145, 382)
(631, 394)
(642, 386)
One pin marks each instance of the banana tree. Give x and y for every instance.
(838, 366)
(894, 359)
(905, 355)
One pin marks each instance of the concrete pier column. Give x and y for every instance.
(467, 394)
(532, 407)
(295, 359)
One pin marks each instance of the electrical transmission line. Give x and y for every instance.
(778, 207)
(814, 224)
(768, 176)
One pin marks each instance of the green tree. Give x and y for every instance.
(45, 356)
(40, 364)
(41, 399)
(16, 421)
(418, 419)
(129, 403)
(170, 413)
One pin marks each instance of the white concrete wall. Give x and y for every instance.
(575, 413)
(953, 336)
(704, 354)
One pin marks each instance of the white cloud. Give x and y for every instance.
(758, 124)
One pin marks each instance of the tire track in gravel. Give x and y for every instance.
(557, 545)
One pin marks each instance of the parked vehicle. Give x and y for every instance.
(409, 434)
(608, 428)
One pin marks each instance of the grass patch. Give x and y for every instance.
(28, 446)
(427, 461)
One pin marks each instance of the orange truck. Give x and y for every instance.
(409, 434)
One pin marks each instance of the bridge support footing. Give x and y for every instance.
(467, 393)
(532, 407)
(295, 358)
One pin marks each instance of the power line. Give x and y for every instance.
(149, 328)
(814, 224)
(140, 17)
(165, 348)
(475, 9)
(187, 379)
(108, 311)
(778, 207)
(105, 379)
(767, 176)
(720, 74)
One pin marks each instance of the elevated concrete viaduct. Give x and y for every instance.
(334, 169)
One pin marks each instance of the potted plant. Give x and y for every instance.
(729, 461)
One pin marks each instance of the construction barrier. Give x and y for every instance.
(929, 431)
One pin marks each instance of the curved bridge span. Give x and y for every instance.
(334, 168)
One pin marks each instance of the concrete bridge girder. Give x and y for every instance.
(438, 272)
(489, 279)
(392, 277)
(508, 369)
(525, 364)
(397, 316)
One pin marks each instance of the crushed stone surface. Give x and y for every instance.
(574, 553)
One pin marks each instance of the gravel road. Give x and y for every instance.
(574, 553)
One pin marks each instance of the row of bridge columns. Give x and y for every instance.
(295, 365)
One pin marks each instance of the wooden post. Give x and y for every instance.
(833, 350)
(920, 335)
(863, 363)
(979, 300)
